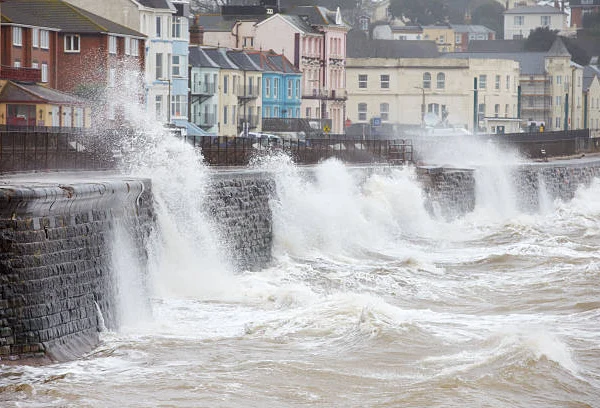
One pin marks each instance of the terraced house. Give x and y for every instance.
(76, 52)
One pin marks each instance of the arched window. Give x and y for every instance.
(427, 80)
(441, 80)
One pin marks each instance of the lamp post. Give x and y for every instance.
(422, 105)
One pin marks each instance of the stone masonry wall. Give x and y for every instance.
(55, 263)
(239, 206)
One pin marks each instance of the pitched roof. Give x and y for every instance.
(219, 56)
(300, 23)
(589, 73)
(558, 49)
(199, 58)
(60, 15)
(534, 10)
(241, 59)
(469, 28)
(359, 46)
(33, 93)
(318, 16)
(155, 4)
(270, 61)
(221, 22)
(497, 46)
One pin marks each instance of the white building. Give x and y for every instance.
(520, 21)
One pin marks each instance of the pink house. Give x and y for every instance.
(314, 39)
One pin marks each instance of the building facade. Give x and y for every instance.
(520, 21)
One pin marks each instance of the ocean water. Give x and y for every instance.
(370, 301)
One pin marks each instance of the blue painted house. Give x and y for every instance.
(281, 85)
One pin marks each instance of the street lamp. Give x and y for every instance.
(422, 105)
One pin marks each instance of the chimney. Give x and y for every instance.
(196, 33)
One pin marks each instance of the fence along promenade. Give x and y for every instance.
(56, 149)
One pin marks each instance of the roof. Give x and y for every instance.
(219, 56)
(220, 22)
(319, 16)
(300, 23)
(60, 15)
(497, 46)
(414, 29)
(534, 10)
(558, 49)
(270, 61)
(199, 58)
(531, 63)
(155, 4)
(192, 129)
(589, 73)
(476, 29)
(359, 46)
(241, 59)
(33, 93)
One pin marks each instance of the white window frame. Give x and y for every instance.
(276, 87)
(159, 66)
(545, 21)
(158, 27)
(497, 82)
(426, 80)
(35, 37)
(267, 87)
(176, 27)
(17, 64)
(519, 20)
(363, 80)
(290, 88)
(44, 39)
(362, 111)
(127, 45)
(178, 65)
(135, 47)
(384, 81)
(483, 81)
(440, 80)
(17, 34)
(44, 72)
(384, 111)
(112, 44)
(72, 43)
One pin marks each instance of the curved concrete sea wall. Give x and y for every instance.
(56, 278)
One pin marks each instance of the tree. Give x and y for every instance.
(490, 15)
(540, 39)
(422, 12)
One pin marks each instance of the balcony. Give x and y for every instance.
(21, 74)
(203, 88)
(248, 92)
(326, 94)
(252, 121)
(205, 120)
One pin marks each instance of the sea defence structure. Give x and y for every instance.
(58, 283)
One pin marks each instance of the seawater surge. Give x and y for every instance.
(371, 295)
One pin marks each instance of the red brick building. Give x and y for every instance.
(74, 50)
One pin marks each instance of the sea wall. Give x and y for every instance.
(57, 285)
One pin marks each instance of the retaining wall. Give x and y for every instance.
(56, 277)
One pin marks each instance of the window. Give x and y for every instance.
(44, 39)
(427, 80)
(71, 43)
(298, 90)
(482, 81)
(135, 47)
(519, 20)
(248, 42)
(178, 65)
(496, 110)
(159, 65)
(384, 111)
(268, 87)
(362, 81)
(290, 88)
(178, 105)
(35, 37)
(545, 21)
(364, 23)
(176, 27)
(481, 110)
(441, 80)
(276, 87)
(362, 111)
(35, 65)
(225, 115)
(558, 100)
(267, 112)
(17, 33)
(385, 81)
(308, 113)
(158, 27)
(276, 112)
(558, 80)
(127, 46)
(225, 84)
(497, 83)
(17, 64)
(457, 38)
(506, 108)
(508, 82)
(112, 44)
(44, 72)
(557, 122)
